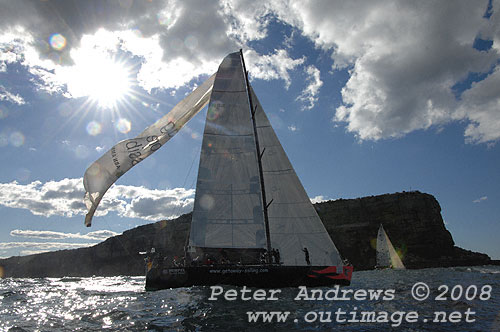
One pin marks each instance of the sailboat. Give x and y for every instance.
(387, 257)
(253, 224)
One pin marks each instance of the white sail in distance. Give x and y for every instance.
(386, 254)
(126, 154)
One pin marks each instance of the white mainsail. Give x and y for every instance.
(229, 205)
(386, 254)
(228, 211)
(128, 153)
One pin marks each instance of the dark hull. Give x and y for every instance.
(261, 276)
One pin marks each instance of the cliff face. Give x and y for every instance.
(118, 255)
(412, 221)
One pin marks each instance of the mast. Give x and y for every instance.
(259, 157)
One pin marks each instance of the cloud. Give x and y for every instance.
(292, 128)
(481, 104)
(318, 199)
(480, 199)
(96, 235)
(310, 94)
(272, 66)
(31, 248)
(65, 198)
(44, 246)
(404, 60)
(10, 97)
(170, 42)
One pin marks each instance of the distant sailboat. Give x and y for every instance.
(387, 257)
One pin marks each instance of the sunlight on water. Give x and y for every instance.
(121, 304)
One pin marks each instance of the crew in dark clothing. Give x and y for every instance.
(306, 252)
(276, 256)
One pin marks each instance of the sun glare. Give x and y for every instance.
(102, 79)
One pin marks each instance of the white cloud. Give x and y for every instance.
(309, 95)
(249, 19)
(480, 199)
(272, 66)
(404, 58)
(174, 41)
(65, 198)
(43, 246)
(10, 97)
(292, 128)
(96, 235)
(318, 199)
(481, 105)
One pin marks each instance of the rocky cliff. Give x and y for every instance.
(412, 221)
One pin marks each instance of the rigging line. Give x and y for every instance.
(187, 175)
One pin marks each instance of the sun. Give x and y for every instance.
(101, 78)
(109, 83)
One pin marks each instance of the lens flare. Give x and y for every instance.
(81, 151)
(94, 128)
(214, 110)
(123, 126)
(4, 140)
(23, 174)
(191, 42)
(207, 202)
(3, 113)
(16, 139)
(57, 41)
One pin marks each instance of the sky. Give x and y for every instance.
(366, 97)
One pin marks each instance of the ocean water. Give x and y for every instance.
(457, 299)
